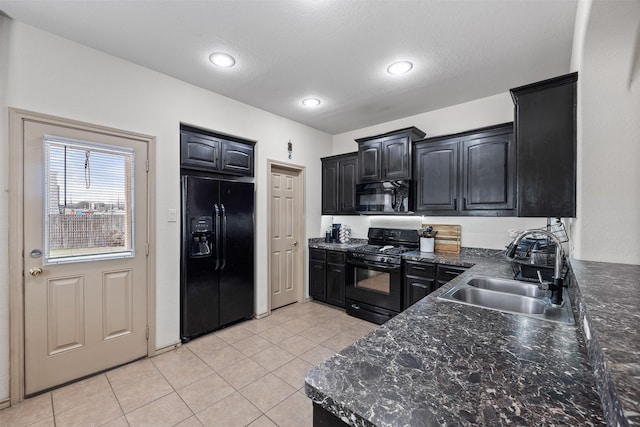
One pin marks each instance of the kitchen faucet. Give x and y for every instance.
(556, 285)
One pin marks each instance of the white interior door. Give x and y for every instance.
(285, 214)
(85, 244)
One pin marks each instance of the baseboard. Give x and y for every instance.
(262, 316)
(5, 403)
(167, 348)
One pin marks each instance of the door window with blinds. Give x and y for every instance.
(88, 207)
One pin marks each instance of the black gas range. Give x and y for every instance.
(374, 279)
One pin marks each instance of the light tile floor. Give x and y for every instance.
(250, 374)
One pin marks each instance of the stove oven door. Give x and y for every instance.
(374, 284)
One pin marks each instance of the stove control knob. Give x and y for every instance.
(383, 260)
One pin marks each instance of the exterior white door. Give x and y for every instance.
(284, 244)
(85, 245)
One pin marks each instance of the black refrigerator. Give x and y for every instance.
(217, 271)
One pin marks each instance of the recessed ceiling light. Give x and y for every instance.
(222, 59)
(399, 67)
(311, 102)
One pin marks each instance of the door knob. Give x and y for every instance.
(35, 271)
(295, 243)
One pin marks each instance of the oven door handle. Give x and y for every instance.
(374, 266)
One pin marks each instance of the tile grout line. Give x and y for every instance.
(174, 390)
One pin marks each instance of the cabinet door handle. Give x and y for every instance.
(457, 273)
(455, 204)
(416, 267)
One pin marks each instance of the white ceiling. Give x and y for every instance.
(336, 50)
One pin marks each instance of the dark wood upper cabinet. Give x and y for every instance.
(470, 173)
(339, 175)
(347, 178)
(199, 151)
(369, 162)
(236, 158)
(207, 151)
(387, 157)
(329, 186)
(436, 175)
(489, 171)
(545, 122)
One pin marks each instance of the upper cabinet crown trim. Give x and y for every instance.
(216, 134)
(416, 133)
(533, 87)
(487, 130)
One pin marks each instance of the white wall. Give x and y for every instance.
(608, 61)
(479, 232)
(4, 214)
(51, 75)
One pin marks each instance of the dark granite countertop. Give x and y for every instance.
(442, 363)
(319, 243)
(609, 304)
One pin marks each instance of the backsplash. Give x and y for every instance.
(477, 232)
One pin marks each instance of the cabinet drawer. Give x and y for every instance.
(420, 269)
(447, 272)
(318, 254)
(334, 257)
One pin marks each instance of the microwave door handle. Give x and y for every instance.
(217, 231)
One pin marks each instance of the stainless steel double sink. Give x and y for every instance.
(510, 296)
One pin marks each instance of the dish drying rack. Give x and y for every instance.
(537, 252)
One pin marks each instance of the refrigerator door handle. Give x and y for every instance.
(224, 237)
(217, 231)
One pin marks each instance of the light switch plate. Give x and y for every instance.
(172, 215)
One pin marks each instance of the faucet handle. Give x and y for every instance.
(544, 286)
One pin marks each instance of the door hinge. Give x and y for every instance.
(146, 249)
(146, 334)
(147, 165)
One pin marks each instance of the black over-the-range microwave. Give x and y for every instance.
(383, 198)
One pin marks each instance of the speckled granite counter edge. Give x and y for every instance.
(319, 243)
(611, 405)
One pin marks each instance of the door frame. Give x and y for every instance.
(300, 229)
(17, 117)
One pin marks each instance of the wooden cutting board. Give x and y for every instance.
(447, 239)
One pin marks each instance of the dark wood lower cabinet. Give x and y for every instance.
(324, 418)
(336, 277)
(448, 272)
(422, 278)
(327, 276)
(419, 281)
(416, 289)
(317, 274)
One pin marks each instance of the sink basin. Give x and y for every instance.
(510, 296)
(507, 286)
(499, 300)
